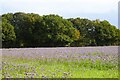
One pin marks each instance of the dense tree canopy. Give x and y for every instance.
(8, 34)
(32, 30)
(57, 31)
(95, 33)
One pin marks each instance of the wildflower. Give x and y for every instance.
(44, 76)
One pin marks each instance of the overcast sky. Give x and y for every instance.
(91, 9)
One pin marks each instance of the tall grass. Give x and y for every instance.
(68, 66)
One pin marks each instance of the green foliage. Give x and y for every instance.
(87, 30)
(95, 33)
(57, 31)
(0, 32)
(8, 34)
(106, 33)
(32, 30)
(23, 28)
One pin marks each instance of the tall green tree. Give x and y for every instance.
(8, 34)
(56, 31)
(105, 33)
(24, 28)
(32, 30)
(0, 32)
(87, 30)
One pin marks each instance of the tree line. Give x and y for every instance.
(32, 30)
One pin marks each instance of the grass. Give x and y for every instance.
(21, 67)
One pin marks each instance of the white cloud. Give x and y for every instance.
(103, 9)
(61, 6)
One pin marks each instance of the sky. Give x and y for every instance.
(90, 9)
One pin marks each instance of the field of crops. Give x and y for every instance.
(61, 62)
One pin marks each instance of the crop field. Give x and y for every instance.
(61, 62)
